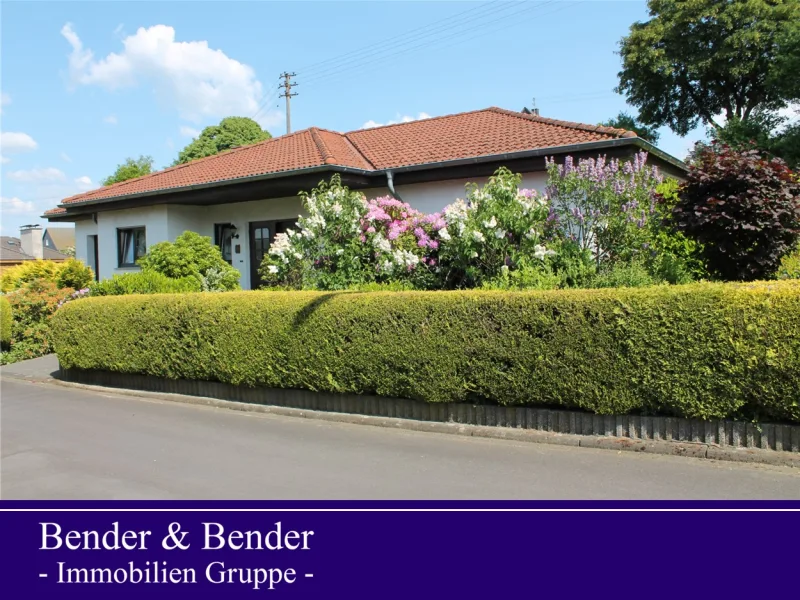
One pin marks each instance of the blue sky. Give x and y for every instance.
(87, 84)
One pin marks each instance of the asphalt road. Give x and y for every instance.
(64, 443)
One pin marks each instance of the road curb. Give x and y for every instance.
(620, 444)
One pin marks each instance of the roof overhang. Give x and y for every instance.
(358, 178)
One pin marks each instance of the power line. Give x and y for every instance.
(483, 31)
(271, 95)
(351, 68)
(414, 34)
(353, 64)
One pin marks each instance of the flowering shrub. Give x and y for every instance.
(32, 306)
(593, 216)
(325, 251)
(604, 206)
(347, 241)
(497, 229)
(77, 294)
(404, 242)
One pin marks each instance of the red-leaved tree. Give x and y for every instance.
(742, 208)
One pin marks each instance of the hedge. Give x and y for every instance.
(699, 351)
(144, 282)
(5, 322)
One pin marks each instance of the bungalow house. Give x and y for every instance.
(243, 197)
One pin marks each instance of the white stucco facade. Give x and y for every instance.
(167, 222)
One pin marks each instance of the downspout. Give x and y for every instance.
(390, 184)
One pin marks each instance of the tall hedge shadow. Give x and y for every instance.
(303, 315)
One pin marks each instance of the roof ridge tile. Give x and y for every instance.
(327, 155)
(355, 148)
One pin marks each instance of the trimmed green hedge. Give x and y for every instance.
(701, 350)
(5, 323)
(144, 282)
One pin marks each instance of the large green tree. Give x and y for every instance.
(697, 59)
(230, 133)
(766, 131)
(130, 168)
(625, 121)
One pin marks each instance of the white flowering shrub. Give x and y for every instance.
(325, 251)
(498, 229)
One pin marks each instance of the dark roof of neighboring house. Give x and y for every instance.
(11, 250)
(488, 132)
(63, 237)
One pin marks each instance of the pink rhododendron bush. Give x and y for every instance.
(591, 215)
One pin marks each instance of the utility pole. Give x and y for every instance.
(287, 86)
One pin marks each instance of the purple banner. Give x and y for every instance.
(397, 550)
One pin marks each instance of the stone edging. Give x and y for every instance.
(722, 440)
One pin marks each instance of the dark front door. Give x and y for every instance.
(261, 233)
(94, 256)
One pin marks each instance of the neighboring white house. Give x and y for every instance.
(243, 197)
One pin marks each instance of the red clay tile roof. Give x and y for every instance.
(466, 135)
(308, 148)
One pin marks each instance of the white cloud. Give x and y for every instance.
(84, 183)
(399, 119)
(65, 157)
(16, 142)
(4, 159)
(5, 99)
(791, 113)
(189, 131)
(35, 175)
(199, 81)
(110, 119)
(15, 206)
